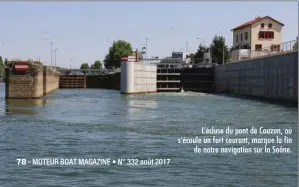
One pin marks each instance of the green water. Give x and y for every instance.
(96, 123)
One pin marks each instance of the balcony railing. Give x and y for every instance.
(267, 51)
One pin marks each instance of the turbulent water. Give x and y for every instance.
(96, 123)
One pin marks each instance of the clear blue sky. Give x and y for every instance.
(80, 29)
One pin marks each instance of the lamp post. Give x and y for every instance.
(223, 47)
(186, 46)
(51, 51)
(146, 39)
(55, 56)
(202, 40)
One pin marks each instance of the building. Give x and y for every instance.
(182, 56)
(263, 34)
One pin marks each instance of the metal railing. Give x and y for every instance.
(266, 51)
(178, 61)
(88, 71)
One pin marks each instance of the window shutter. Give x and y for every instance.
(278, 48)
(260, 34)
(273, 35)
(266, 35)
(272, 48)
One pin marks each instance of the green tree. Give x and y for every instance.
(198, 56)
(2, 68)
(295, 47)
(119, 49)
(6, 62)
(217, 45)
(97, 64)
(84, 66)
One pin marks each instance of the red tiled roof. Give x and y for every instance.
(255, 20)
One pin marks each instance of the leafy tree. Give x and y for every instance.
(295, 47)
(198, 56)
(84, 66)
(119, 49)
(6, 62)
(2, 68)
(200, 51)
(217, 49)
(97, 65)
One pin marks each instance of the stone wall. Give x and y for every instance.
(35, 83)
(51, 80)
(273, 77)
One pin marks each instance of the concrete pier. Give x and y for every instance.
(137, 77)
(34, 82)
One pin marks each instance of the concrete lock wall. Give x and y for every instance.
(25, 85)
(51, 80)
(274, 77)
(138, 78)
(35, 83)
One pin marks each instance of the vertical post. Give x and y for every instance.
(145, 49)
(51, 52)
(186, 46)
(210, 60)
(55, 56)
(223, 53)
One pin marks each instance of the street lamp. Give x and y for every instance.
(202, 40)
(51, 51)
(186, 46)
(223, 47)
(55, 56)
(146, 39)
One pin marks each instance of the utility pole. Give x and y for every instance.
(223, 52)
(55, 56)
(146, 39)
(186, 46)
(51, 51)
(210, 54)
(223, 48)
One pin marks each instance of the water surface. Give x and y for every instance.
(97, 123)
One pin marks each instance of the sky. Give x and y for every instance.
(84, 31)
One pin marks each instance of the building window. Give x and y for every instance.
(241, 36)
(271, 34)
(270, 25)
(266, 35)
(262, 25)
(261, 35)
(246, 35)
(258, 47)
(236, 38)
(275, 48)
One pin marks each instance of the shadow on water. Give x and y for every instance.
(24, 106)
(290, 104)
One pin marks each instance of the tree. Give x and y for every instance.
(97, 64)
(84, 66)
(295, 47)
(6, 62)
(198, 56)
(217, 45)
(2, 68)
(119, 49)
